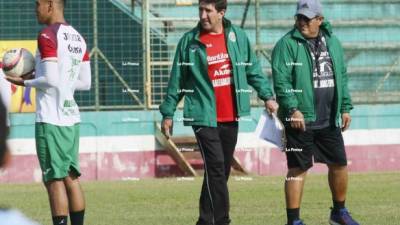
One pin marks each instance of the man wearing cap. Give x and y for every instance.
(310, 82)
(213, 68)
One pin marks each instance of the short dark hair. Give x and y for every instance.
(219, 4)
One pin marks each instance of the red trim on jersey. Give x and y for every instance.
(86, 57)
(47, 41)
(221, 75)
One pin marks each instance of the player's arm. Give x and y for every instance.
(346, 106)
(282, 67)
(281, 63)
(47, 80)
(84, 81)
(49, 77)
(173, 96)
(47, 45)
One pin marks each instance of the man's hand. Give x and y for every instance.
(271, 106)
(15, 80)
(297, 121)
(29, 76)
(20, 80)
(346, 120)
(166, 127)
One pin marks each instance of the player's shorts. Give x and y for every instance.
(324, 145)
(57, 148)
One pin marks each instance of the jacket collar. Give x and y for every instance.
(325, 27)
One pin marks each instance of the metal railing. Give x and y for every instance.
(172, 25)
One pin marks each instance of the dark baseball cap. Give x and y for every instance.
(309, 8)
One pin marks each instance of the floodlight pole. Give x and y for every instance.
(96, 57)
(146, 53)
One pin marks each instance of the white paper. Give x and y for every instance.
(271, 129)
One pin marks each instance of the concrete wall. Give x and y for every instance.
(121, 145)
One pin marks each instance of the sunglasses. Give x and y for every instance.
(303, 18)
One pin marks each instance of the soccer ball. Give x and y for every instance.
(18, 62)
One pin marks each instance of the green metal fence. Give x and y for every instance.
(368, 29)
(114, 37)
(132, 42)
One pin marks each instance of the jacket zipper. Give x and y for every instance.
(312, 80)
(237, 103)
(204, 51)
(335, 79)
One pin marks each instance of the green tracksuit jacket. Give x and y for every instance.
(292, 71)
(189, 78)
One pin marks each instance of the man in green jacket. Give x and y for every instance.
(213, 66)
(310, 82)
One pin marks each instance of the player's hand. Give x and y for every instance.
(271, 106)
(346, 120)
(15, 80)
(28, 76)
(166, 127)
(297, 121)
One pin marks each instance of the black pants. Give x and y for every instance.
(217, 145)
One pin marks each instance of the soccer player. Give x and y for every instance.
(310, 82)
(62, 66)
(213, 66)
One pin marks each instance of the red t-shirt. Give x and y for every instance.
(221, 75)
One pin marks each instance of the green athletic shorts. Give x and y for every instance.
(57, 149)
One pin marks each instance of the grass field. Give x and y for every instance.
(374, 199)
